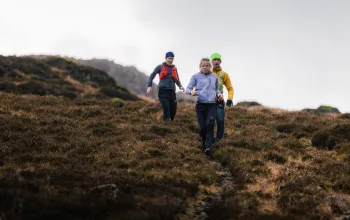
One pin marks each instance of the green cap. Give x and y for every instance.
(215, 56)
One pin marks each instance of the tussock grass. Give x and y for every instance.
(85, 159)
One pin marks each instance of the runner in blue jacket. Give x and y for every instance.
(208, 93)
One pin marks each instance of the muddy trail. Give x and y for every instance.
(86, 159)
(207, 196)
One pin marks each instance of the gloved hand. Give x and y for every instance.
(229, 103)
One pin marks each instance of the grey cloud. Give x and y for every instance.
(289, 54)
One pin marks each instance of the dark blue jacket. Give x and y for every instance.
(168, 83)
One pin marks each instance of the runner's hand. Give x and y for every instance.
(149, 90)
(220, 97)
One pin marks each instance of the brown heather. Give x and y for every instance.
(85, 159)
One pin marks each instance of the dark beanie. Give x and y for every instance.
(169, 54)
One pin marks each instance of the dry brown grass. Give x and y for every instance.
(84, 159)
(86, 88)
(21, 74)
(278, 170)
(57, 70)
(146, 99)
(54, 151)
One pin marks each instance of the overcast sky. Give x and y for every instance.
(290, 54)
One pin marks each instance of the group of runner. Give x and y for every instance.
(207, 85)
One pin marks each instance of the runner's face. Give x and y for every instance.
(216, 63)
(205, 67)
(169, 60)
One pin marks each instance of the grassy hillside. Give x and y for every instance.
(57, 76)
(128, 76)
(85, 159)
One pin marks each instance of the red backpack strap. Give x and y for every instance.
(174, 74)
(164, 72)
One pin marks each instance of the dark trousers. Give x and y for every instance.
(167, 99)
(220, 121)
(206, 114)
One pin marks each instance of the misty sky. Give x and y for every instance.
(289, 54)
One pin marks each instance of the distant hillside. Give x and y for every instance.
(248, 104)
(57, 76)
(128, 76)
(323, 109)
(185, 98)
(131, 78)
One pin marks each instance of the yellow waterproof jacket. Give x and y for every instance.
(225, 80)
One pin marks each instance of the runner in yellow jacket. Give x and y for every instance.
(224, 80)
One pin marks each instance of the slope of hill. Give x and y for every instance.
(84, 159)
(57, 76)
(128, 76)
